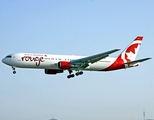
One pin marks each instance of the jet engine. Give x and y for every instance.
(52, 71)
(64, 65)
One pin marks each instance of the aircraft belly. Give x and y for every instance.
(99, 65)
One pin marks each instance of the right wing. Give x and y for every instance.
(84, 62)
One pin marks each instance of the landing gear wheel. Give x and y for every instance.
(70, 76)
(14, 72)
(13, 68)
(79, 73)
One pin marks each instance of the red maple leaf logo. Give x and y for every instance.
(130, 49)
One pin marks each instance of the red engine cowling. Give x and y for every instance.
(64, 65)
(52, 71)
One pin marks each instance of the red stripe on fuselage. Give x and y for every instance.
(118, 64)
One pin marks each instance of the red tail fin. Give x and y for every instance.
(128, 55)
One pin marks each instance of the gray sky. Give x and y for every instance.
(78, 28)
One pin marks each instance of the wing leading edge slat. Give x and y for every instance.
(94, 58)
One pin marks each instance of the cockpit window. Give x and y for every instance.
(9, 56)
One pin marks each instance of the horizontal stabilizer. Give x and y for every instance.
(138, 61)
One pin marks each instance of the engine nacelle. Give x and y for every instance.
(52, 71)
(64, 65)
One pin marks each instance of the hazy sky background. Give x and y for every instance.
(76, 27)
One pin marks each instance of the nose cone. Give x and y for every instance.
(3, 60)
(6, 61)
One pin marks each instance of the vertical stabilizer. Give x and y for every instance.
(127, 56)
(130, 53)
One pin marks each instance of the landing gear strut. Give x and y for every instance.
(14, 72)
(70, 74)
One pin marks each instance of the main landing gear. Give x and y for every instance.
(72, 75)
(79, 73)
(14, 72)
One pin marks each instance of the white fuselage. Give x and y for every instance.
(54, 64)
(49, 61)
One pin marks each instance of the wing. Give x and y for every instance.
(138, 61)
(84, 62)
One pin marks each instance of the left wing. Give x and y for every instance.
(84, 62)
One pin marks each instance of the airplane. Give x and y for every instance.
(54, 64)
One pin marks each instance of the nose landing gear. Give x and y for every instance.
(13, 68)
